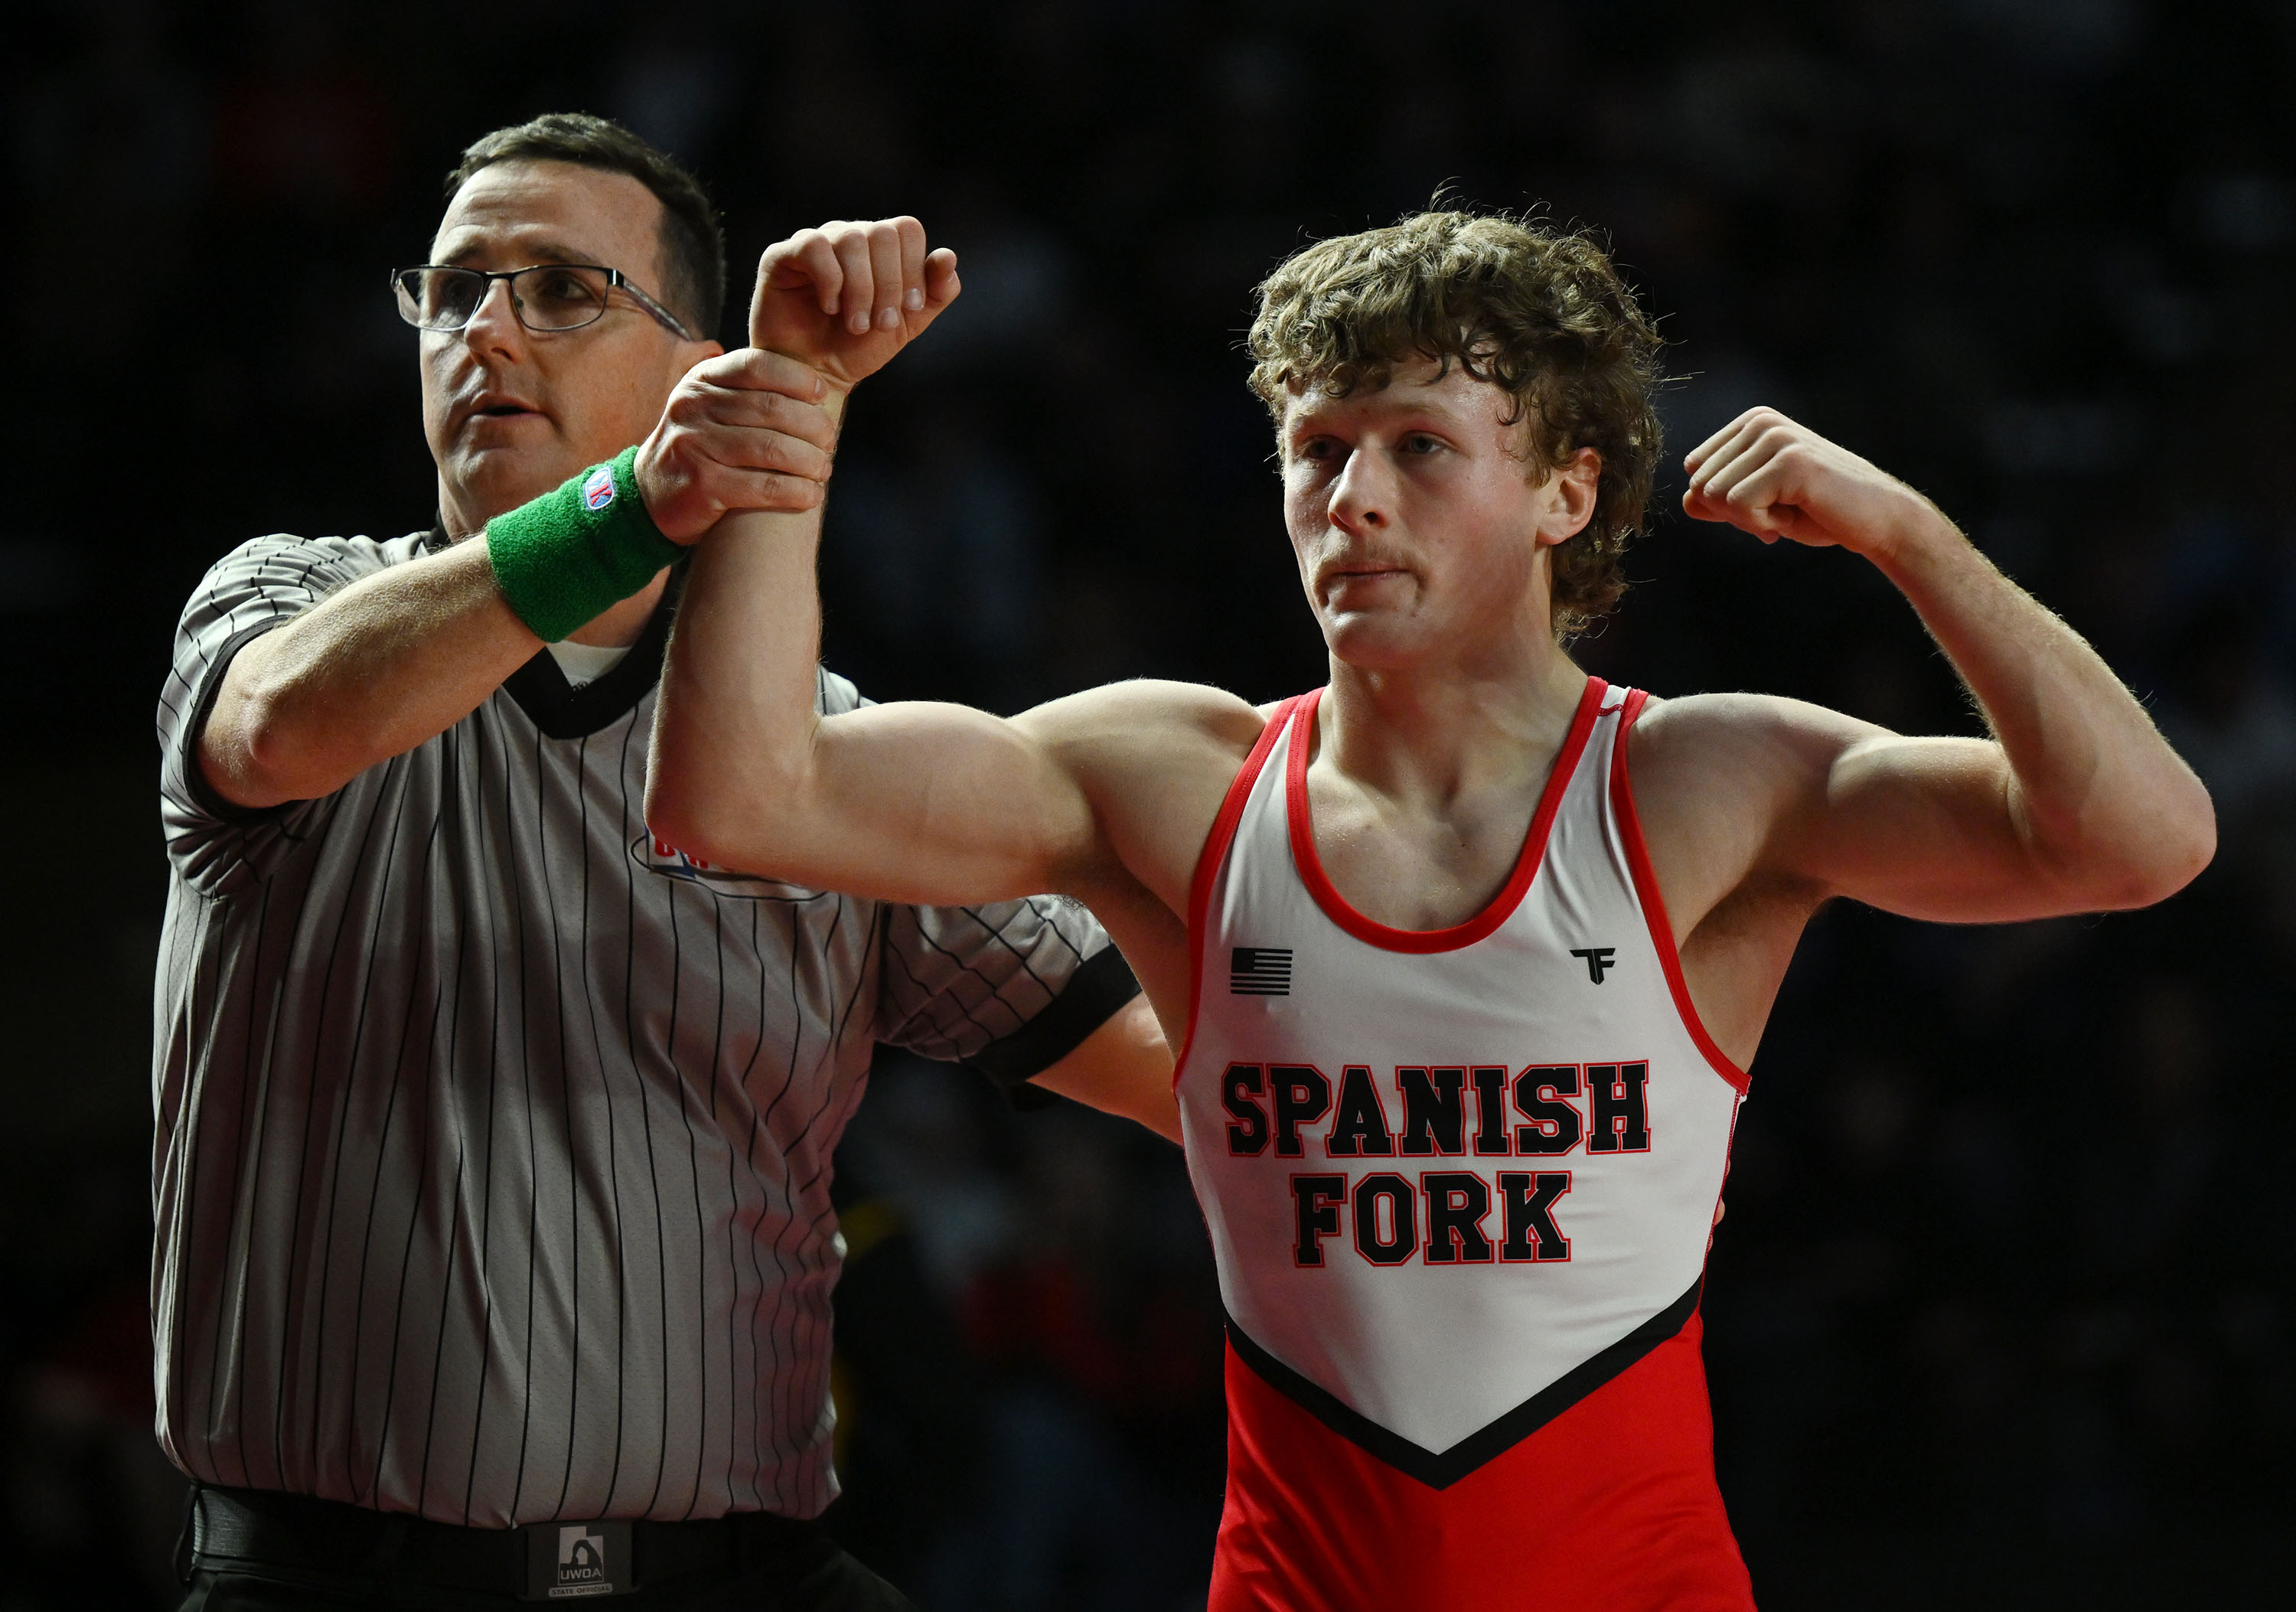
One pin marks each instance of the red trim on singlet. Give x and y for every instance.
(1502, 906)
(1216, 845)
(1638, 862)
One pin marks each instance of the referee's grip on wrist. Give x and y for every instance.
(575, 553)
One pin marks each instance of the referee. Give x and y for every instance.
(492, 1170)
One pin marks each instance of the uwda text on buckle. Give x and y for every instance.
(578, 1558)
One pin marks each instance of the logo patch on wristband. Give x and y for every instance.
(598, 488)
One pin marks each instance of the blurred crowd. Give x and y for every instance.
(2007, 1266)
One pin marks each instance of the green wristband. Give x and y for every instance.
(572, 555)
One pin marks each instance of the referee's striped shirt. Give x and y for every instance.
(493, 1146)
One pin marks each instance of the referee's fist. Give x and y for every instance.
(745, 430)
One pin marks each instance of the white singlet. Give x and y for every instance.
(1460, 1185)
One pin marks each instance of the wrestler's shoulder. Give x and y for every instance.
(1691, 720)
(1151, 716)
(1700, 741)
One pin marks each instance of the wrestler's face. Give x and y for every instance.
(1420, 521)
(511, 412)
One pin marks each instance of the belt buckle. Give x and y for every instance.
(566, 1559)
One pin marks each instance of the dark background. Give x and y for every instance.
(2001, 1314)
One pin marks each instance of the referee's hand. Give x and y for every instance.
(845, 298)
(745, 430)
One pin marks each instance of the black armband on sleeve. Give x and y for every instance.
(1102, 984)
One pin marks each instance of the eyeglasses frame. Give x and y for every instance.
(615, 279)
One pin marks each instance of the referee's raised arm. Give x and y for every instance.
(584, 426)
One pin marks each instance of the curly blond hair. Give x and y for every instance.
(1539, 313)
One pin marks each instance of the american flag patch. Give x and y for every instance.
(1260, 971)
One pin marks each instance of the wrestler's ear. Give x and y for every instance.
(1576, 482)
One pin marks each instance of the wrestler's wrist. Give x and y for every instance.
(1918, 539)
(835, 394)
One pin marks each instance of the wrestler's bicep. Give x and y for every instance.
(1925, 827)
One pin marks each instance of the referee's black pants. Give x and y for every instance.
(246, 1551)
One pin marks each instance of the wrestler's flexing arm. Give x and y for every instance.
(2075, 804)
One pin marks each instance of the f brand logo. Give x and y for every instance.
(1598, 958)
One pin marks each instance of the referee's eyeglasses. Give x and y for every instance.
(545, 297)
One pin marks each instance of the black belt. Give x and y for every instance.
(298, 1538)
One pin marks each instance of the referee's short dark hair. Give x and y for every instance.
(692, 240)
